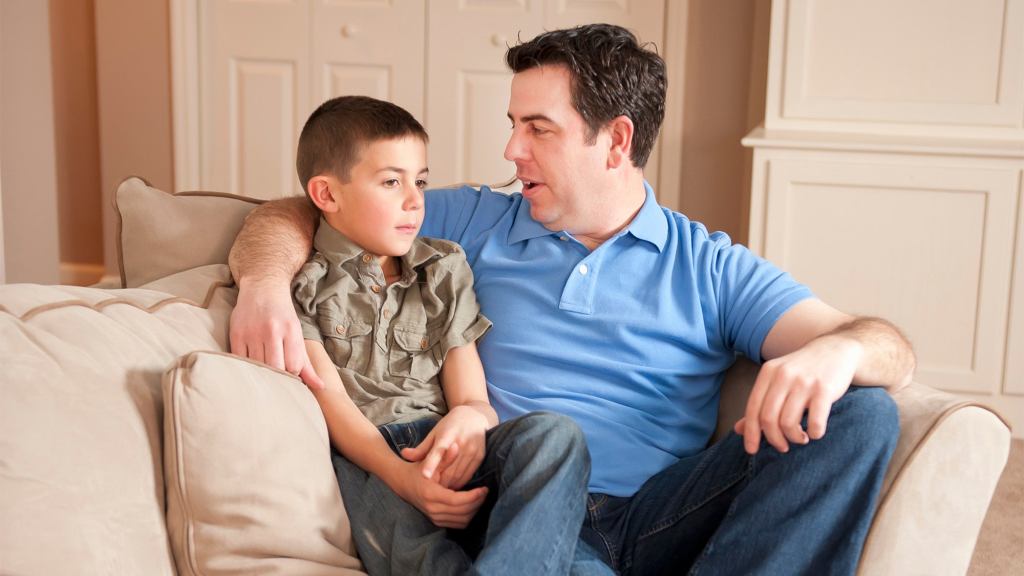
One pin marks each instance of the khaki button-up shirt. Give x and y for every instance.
(388, 341)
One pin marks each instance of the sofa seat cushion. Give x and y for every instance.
(250, 486)
(81, 471)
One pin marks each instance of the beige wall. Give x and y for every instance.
(27, 144)
(76, 133)
(726, 60)
(134, 91)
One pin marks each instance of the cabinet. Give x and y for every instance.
(248, 73)
(888, 176)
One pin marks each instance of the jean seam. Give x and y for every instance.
(675, 518)
(728, 514)
(592, 514)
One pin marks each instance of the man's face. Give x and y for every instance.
(381, 205)
(560, 172)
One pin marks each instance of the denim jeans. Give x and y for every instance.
(723, 511)
(536, 469)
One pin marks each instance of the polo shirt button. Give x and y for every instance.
(563, 238)
(584, 269)
(341, 329)
(375, 288)
(367, 258)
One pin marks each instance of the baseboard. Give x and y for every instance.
(78, 274)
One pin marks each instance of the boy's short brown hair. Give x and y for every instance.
(336, 132)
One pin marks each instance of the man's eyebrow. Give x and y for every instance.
(531, 118)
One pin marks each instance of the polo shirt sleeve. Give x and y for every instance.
(453, 285)
(751, 294)
(305, 287)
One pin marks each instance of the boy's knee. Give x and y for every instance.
(549, 430)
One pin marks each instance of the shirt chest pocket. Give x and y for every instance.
(347, 341)
(415, 353)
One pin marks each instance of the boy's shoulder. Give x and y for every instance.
(439, 257)
(445, 247)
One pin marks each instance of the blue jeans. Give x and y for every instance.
(536, 469)
(725, 512)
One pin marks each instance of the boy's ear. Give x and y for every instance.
(321, 193)
(621, 131)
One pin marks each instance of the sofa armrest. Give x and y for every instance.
(940, 480)
(938, 486)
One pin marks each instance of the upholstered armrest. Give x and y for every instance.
(939, 483)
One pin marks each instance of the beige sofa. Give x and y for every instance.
(131, 444)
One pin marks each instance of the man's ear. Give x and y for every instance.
(620, 129)
(321, 193)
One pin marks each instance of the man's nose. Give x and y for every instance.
(514, 149)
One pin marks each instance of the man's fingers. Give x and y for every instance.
(817, 416)
(295, 356)
(791, 415)
(256, 352)
(275, 354)
(310, 377)
(752, 428)
(771, 406)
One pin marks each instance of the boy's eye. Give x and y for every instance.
(391, 182)
(421, 184)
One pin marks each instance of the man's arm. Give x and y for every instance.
(359, 441)
(273, 244)
(454, 449)
(813, 354)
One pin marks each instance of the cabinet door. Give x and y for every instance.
(1013, 382)
(924, 244)
(370, 48)
(254, 95)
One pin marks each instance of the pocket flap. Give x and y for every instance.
(342, 327)
(415, 339)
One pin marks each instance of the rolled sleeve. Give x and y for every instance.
(305, 287)
(464, 323)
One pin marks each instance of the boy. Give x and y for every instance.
(390, 322)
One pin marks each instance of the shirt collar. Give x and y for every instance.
(338, 248)
(649, 224)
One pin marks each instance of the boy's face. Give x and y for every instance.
(380, 208)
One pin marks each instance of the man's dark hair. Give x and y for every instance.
(336, 133)
(612, 75)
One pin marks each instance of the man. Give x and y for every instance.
(624, 315)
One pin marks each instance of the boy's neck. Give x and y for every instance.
(391, 266)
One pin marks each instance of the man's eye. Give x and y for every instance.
(537, 130)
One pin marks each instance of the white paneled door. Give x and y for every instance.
(249, 72)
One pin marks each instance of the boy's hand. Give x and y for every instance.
(264, 327)
(445, 507)
(454, 449)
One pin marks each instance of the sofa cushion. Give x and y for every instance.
(161, 233)
(81, 468)
(250, 486)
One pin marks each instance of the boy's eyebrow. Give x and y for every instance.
(400, 170)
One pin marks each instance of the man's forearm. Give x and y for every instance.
(274, 241)
(888, 359)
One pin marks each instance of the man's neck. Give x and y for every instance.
(633, 196)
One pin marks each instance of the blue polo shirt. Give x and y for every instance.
(631, 340)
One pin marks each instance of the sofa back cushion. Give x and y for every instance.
(160, 234)
(250, 486)
(81, 481)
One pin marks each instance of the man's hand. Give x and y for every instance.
(810, 379)
(454, 449)
(264, 327)
(445, 507)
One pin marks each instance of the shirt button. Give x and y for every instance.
(583, 269)
(375, 288)
(341, 329)
(367, 258)
(387, 314)
(424, 343)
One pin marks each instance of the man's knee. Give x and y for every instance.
(870, 414)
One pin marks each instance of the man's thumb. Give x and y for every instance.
(310, 377)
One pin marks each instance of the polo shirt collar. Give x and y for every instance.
(649, 224)
(340, 249)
